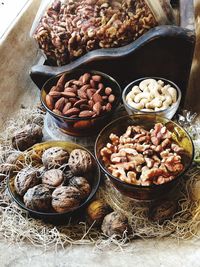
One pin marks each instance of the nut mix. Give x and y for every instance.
(54, 187)
(85, 97)
(143, 157)
(152, 95)
(69, 29)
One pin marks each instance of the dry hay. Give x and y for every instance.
(17, 226)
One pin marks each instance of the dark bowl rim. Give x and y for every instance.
(153, 186)
(54, 214)
(84, 118)
(124, 93)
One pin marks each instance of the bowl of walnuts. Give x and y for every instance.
(146, 156)
(54, 180)
(81, 102)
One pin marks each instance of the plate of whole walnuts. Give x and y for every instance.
(54, 179)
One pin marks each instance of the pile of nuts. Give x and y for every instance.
(143, 157)
(84, 97)
(70, 28)
(60, 185)
(152, 95)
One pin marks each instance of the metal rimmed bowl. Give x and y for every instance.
(167, 113)
(33, 156)
(82, 126)
(119, 126)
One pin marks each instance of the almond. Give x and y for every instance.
(68, 94)
(92, 83)
(100, 86)
(111, 98)
(85, 87)
(60, 103)
(61, 81)
(55, 89)
(80, 102)
(85, 107)
(56, 111)
(91, 103)
(67, 84)
(85, 78)
(108, 107)
(73, 100)
(78, 83)
(82, 94)
(97, 108)
(86, 113)
(66, 107)
(97, 98)
(90, 92)
(49, 102)
(96, 78)
(70, 89)
(54, 94)
(72, 111)
(108, 91)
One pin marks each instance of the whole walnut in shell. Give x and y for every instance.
(27, 137)
(25, 179)
(80, 161)
(65, 198)
(53, 177)
(38, 198)
(82, 184)
(54, 157)
(97, 210)
(114, 224)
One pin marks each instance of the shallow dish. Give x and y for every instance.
(82, 126)
(147, 121)
(167, 113)
(34, 155)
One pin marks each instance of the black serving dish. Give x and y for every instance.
(34, 155)
(139, 192)
(82, 126)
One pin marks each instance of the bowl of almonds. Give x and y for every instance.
(152, 95)
(81, 102)
(146, 156)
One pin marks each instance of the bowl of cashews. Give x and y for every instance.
(152, 95)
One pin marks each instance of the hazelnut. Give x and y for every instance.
(97, 210)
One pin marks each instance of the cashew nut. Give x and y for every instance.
(145, 83)
(138, 97)
(136, 105)
(172, 91)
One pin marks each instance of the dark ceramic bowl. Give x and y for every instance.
(167, 113)
(34, 156)
(82, 126)
(118, 127)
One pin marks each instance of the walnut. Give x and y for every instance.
(25, 179)
(66, 198)
(97, 210)
(82, 184)
(114, 224)
(38, 198)
(53, 177)
(9, 165)
(54, 157)
(27, 137)
(80, 161)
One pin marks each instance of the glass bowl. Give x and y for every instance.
(33, 156)
(167, 113)
(82, 126)
(154, 191)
